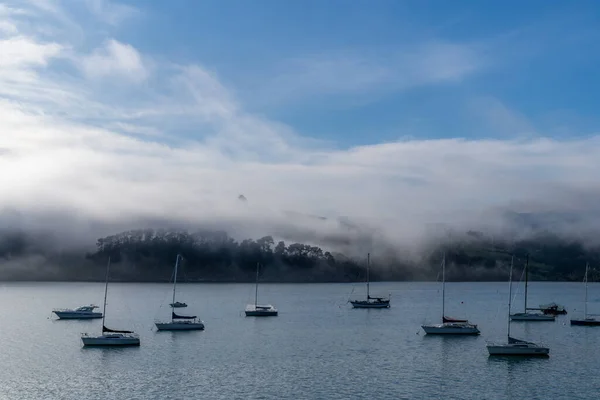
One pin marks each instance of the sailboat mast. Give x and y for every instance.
(368, 268)
(174, 284)
(526, 280)
(443, 286)
(512, 258)
(587, 266)
(105, 292)
(256, 289)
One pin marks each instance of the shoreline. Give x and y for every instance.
(2, 281)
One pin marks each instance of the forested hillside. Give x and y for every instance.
(148, 255)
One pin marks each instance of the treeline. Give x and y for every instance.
(213, 256)
(148, 255)
(551, 257)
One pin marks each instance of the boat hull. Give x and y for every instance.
(110, 340)
(585, 322)
(260, 311)
(76, 315)
(367, 304)
(531, 317)
(179, 326)
(450, 329)
(518, 350)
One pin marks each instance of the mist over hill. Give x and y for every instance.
(297, 254)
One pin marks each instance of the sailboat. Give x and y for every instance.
(525, 315)
(586, 321)
(256, 310)
(110, 337)
(370, 302)
(179, 322)
(449, 326)
(515, 347)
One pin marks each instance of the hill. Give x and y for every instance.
(148, 255)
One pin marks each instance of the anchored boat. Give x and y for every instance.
(526, 315)
(586, 321)
(179, 322)
(83, 312)
(256, 310)
(515, 347)
(110, 337)
(370, 302)
(449, 326)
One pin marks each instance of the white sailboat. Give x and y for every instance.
(83, 312)
(586, 321)
(530, 316)
(179, 322)
(110, 337)
(370, 302)
(515, 347)
(449, 326)
(257, 310)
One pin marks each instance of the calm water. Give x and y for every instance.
(317, 348)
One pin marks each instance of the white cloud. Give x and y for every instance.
(203, 88)
(135, 129)
(115, 59)
(398, 188)
(22, 61)
(500, 119)
(445, 62)
(20, 51)
(381, 70)
(7, 27)
(110, 12)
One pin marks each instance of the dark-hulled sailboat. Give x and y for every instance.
(179, 322)
(586, 321)
(110, 337)
(370, 302)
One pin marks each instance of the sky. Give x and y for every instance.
(396, 114)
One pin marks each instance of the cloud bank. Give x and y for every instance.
(99, 137)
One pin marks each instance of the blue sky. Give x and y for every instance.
(344, 71)
(395, 114)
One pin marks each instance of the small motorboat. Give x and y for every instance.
(553, 309)
(84, 312)
(178, 304)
